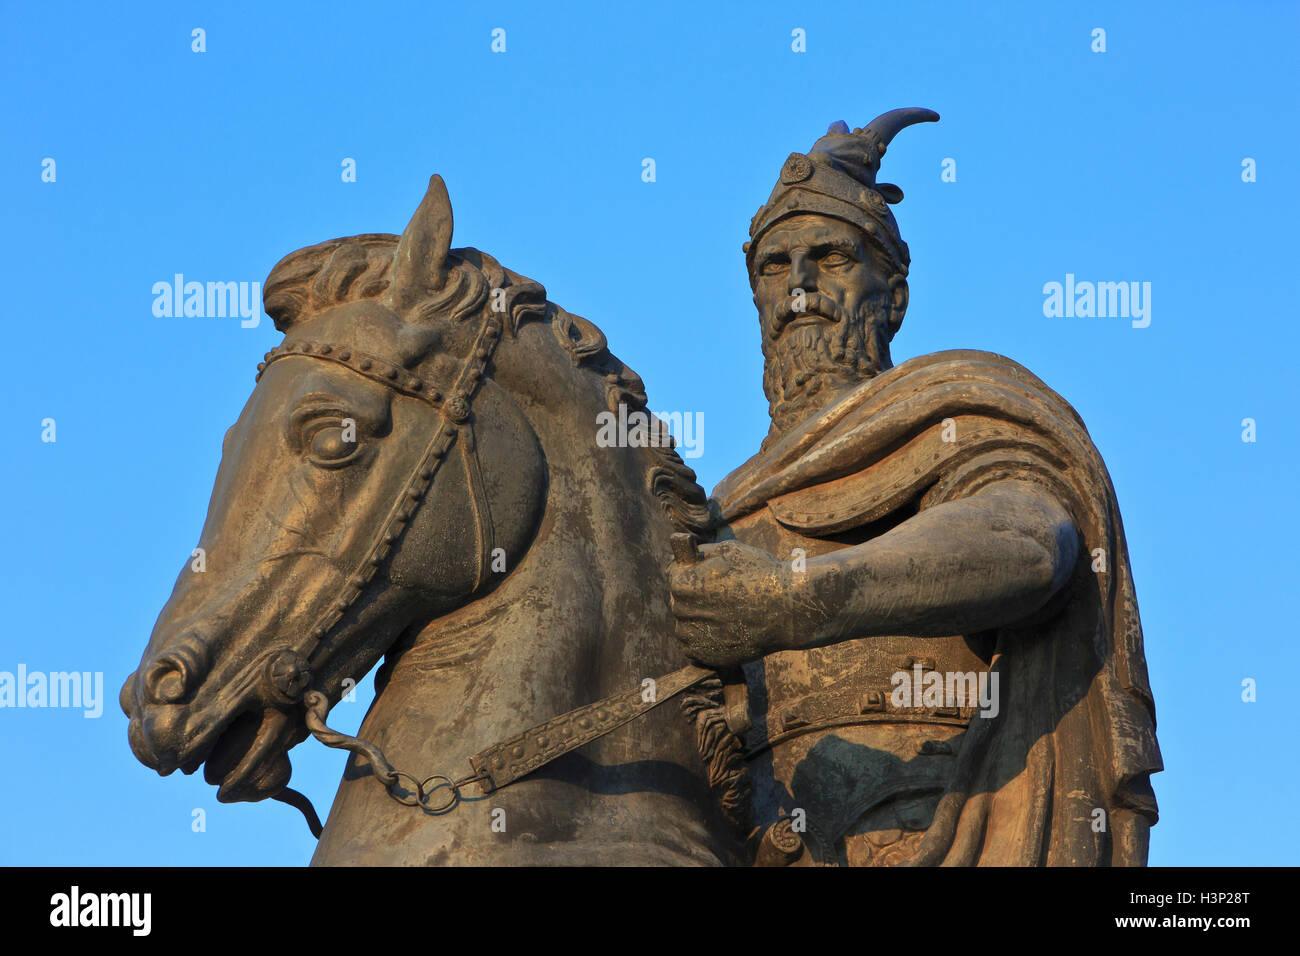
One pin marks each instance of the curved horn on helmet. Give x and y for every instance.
(420, 264)
(887, 125)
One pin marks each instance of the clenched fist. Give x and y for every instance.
(733, 604)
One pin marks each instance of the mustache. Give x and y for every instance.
(814, 304)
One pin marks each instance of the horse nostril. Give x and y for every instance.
(165, 681)
(177, 671)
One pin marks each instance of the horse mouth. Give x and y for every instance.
(250, 759)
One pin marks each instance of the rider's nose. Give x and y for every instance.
(803, 274)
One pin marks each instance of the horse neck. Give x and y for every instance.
(585, 613)
(603, 524)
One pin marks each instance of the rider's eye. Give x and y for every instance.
(773, 267)
(332, 443)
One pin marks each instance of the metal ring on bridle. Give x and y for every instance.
(425, 794)
(419, 790)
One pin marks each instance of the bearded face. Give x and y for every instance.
(827, 305)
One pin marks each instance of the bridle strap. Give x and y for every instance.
(391, 374)
(302, 803)
(454, 409)
(479, 507)
(504, 763)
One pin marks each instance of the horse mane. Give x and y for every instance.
(669, 479)
(360, 267)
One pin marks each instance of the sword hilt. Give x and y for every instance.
(685, 549)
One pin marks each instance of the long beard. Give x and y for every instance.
(806, 368)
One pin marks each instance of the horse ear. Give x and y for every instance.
(420, 265)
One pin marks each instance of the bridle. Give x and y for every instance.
(505, 762)
(456, 423)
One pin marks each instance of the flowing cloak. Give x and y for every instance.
(1075, 733)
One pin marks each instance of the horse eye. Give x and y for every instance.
(329, 444)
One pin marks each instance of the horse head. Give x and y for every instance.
(374, 480)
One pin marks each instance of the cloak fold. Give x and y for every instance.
(1076, 730)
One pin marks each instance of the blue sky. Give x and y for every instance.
(1117, 166)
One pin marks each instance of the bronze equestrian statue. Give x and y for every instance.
(416, 477)
(905, 535)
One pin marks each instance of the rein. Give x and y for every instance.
(507, 761)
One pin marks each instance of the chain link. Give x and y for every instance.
(413, 793)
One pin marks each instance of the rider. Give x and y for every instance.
(941, 525)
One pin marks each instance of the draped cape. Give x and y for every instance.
(1061, 775)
